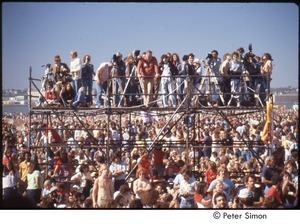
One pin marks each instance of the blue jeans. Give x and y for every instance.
(88, 85)
(10, 192)
(235, 85)
(80, 100)
(179, 86)
(186, 203)
(207, 152)
(34, 194)
(76, 84)
(237, 152)
(117, 90)
(160, 170)
(101, 91)
(246, 155)
(168, 88)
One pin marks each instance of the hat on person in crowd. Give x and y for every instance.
(246, 198)
(56, 58)
(73, 52)
(54, 188)
(197, 60)
(77, 187)
(244, 193)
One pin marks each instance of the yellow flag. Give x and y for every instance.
(267, 128)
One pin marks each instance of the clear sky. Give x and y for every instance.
(32, 33)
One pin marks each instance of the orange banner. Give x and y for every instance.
(267, 128)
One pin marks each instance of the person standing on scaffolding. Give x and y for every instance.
(235, 82)
(168, 72)
(266, 71)
(215, 64)
(101, 77)
(87, 77)
(224, 71)
(121, 66)
(252, 72)
(209, 85)
(189, 73)
(132, 84)
(148, 71)
(75, 70)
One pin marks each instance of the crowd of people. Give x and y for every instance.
(239, 79)
(142, 160)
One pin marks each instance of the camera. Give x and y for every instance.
(250, 48)
(136, 53)
(115, 59)
(209, 55)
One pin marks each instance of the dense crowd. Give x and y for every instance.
(114, 163)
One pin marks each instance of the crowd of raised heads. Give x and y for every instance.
(238, 79)
(66, 167)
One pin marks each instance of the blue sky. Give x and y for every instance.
(32, 33)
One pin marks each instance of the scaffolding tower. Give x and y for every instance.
(59, 122)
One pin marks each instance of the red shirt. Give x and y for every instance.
(147, 69)
(144, 163)
(158, 157)
(274, 192)
(210, 176)
(58, 164)
(198, 198)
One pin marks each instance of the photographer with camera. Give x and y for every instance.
(252, 72)
(60, 70)
(118, 78)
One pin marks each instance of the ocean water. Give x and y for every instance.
(15, 109)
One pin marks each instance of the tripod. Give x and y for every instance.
(208, 79)
(256, 95)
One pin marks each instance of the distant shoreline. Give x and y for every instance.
(15, 108)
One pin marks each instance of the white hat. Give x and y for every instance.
(244, 193)
(197, 60)
(77, 187)
(54, 188)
